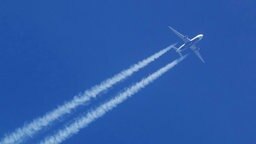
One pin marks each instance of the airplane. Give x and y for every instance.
(188, 44)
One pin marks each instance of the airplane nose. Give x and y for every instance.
(201, 36)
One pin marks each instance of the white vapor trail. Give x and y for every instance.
(91, 116)
(32, 128)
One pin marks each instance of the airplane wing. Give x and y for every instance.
(197, 53)
(184, 38)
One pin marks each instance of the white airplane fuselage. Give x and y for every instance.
(190, 43)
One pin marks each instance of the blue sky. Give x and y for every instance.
(52, 50)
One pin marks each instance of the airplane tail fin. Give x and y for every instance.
(176, 49)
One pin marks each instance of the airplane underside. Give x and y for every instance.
(188, 44)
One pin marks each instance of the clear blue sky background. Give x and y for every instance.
(52, 50)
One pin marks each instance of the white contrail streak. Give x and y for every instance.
(30, 129)
(91, 116)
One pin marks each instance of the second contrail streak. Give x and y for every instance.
(30, 129)
(91, 116)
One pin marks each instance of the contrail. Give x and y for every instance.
(30, 129)
(91, 116)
